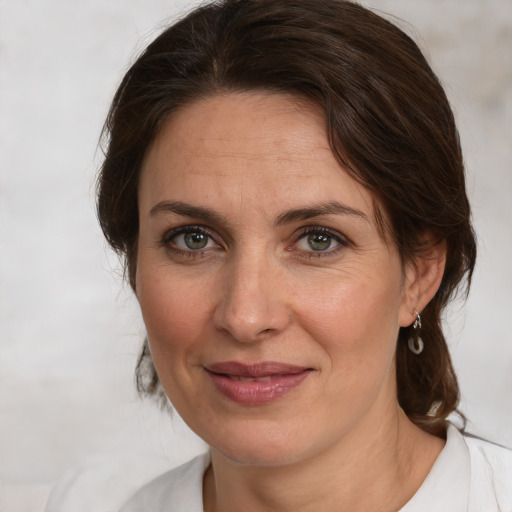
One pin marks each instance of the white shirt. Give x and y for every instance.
(470, 475)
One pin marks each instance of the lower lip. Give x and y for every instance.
(258, 392)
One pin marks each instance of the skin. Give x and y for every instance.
(261, 290)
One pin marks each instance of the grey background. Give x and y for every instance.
(69, 328)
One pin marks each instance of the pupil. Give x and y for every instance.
(319, 242)
(196, 240)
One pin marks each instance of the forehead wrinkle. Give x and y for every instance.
(274, 150)
(287, 159)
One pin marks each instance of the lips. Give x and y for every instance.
(256, 384)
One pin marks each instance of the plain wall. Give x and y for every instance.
(70, 330)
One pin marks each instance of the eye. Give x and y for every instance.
(193, 240)
(319, 240)
(189, 238)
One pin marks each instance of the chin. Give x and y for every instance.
(260, 445)
(259, 455)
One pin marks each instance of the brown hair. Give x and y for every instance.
(389, 124)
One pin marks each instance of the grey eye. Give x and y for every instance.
(318, 241)
(196, 240)
(193, 240)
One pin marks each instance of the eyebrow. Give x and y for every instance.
(318, 210)
(188, 210)
(294, 215)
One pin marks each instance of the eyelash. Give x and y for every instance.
(167, 241)
(342, 241)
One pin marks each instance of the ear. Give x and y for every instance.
(422, 278)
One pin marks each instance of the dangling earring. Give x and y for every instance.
(415, 343)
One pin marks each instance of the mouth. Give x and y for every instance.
(268, 378)
(256, 384)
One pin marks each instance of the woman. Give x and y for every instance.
(285, 182)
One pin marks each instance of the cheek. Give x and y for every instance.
(174, 312)
(357, 328)
(176, 317)
(352, 317)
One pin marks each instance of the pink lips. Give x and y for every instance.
(256, 384)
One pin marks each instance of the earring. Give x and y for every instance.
(415, 343)
(417, 321)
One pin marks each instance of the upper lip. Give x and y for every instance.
(263, 369)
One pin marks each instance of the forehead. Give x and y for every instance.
(259, 150)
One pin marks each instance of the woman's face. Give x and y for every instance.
(272, 305)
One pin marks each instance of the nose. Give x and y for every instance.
(254, 305)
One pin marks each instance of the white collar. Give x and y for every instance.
(446, 488)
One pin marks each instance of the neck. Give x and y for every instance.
(377, 466)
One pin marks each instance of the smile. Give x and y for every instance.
(268, 378)
(256, 384)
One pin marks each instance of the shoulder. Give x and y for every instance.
(178, 489)
(470, 475)
(491, 474)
